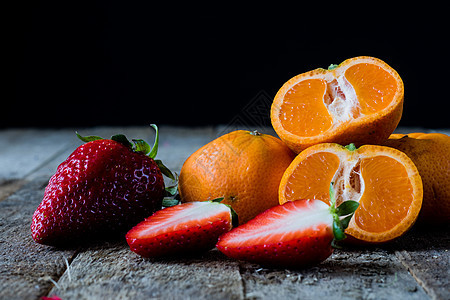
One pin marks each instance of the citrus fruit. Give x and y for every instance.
(359, 101)
(431, 155)
(383, 180)
(243, 167)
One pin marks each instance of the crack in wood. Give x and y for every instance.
(59, 275)
(404, 261)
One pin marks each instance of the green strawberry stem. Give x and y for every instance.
(341, 215)
(154, 149)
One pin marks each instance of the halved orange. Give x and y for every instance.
(359, 101)
(383, 180)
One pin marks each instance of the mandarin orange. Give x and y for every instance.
(431, 155)
(383, 180)
(243, 167)
(359, 101)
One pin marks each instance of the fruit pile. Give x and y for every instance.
(336, 170)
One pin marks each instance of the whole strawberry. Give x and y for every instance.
(102, 189)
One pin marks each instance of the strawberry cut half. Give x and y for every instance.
(188, 228)
(296, 234)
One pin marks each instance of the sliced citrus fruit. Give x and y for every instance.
(383, 180)
(359, 101)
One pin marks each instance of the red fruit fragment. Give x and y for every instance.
(295, 234)
(188, 228)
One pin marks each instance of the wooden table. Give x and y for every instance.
(414, 267)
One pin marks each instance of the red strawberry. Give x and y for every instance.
(187, 228)
(295, 234)
(102, 189)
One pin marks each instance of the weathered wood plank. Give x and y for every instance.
(425, 253)
(24, 150)
(356, 273)
(8, 187)
(27, 269)
(114, 272)
(104, 272)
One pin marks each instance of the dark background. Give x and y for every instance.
(116, 63)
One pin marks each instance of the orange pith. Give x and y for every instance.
(360, 101)
(383, 180)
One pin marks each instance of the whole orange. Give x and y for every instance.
(430, 152)
(243, 167)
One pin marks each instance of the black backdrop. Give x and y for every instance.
(117, 63)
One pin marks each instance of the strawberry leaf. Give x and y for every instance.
(345, 221)
(338, 231)
(234, 217)
(217, 200)
(171, 190)
(168, 202)
(141, 146)
(346, 208)
(88, 138)
(165, 170)
(121, 138)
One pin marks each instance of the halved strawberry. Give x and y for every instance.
(295, 234)
(187, 228)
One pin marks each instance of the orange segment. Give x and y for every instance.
(374, 87)
(387, 196)
(360, 101)
(304, 106)
(321, 166)
(383, 180)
